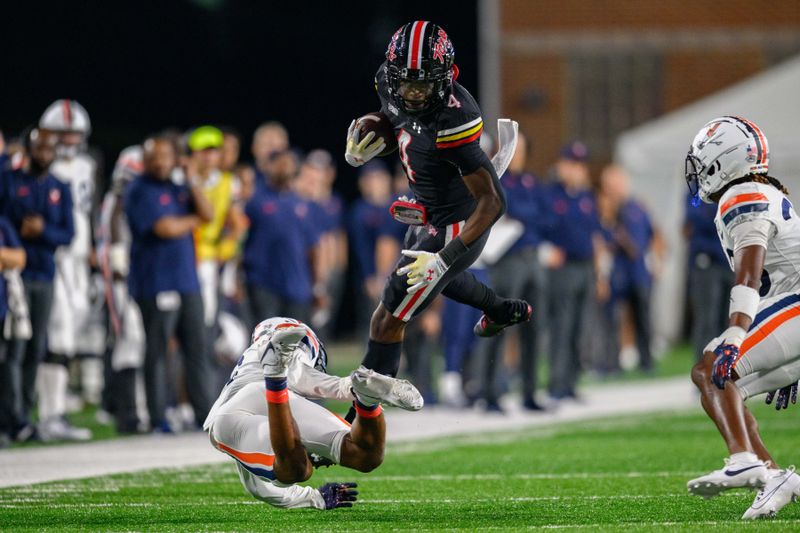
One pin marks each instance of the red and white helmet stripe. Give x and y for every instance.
(417, 44)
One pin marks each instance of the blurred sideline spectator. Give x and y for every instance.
(315, 183)
(125, 354)
(70, 330)
(12, 259)
(630, 236)
(375, 238)
(573, 230)
(163, 276)
(40, 208)
(518, 274)
(282, 246)
(710, 277)
(217, 240)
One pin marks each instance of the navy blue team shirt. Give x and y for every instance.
(157, 264)
(24, 195)
(8, 239)
(571, 222)
(368, 222)
(283, 229)
(524, 198)
(630, 271)
(703, 238)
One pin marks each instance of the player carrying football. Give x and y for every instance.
(457, 195)
(760, 351)
(277, 440)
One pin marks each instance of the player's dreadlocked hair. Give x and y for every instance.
(757, 178)
(769, 180)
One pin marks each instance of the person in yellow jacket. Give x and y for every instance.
(217, 241)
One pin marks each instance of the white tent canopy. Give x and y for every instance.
(653, 154)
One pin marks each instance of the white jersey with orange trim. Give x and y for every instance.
(238, 424)
(759, 214)
(756, 213)
(304, 379)
(79, 173)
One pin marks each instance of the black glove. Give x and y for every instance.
(338, 494)
(782, 396)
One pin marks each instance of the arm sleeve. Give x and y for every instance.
(290, 497)
(61, 234)
(756, 231)
(311, 383)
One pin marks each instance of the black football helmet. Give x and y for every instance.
(419, 66)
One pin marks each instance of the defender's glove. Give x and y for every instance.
(358, 152)
(789, 392)
(338, 495)
(427, 269)
(279, 350)
(727, 352)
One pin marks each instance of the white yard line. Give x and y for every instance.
(76, 461)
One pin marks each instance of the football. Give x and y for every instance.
(380, 124)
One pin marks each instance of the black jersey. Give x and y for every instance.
(437, 149)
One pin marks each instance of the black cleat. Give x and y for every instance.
(521, 312)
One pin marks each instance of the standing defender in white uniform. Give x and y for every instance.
(69, 318)
(760, 351)
(264, 418)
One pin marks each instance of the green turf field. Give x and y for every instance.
(612, 474)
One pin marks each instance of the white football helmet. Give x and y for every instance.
(130, 163)
(312, 348)
(67, 116)
(725, 149)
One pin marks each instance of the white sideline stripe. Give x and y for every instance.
(467, 500)
(25, 503)
(489, 477)
(406, 433)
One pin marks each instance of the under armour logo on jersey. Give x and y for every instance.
(429, 277)
(416, 127)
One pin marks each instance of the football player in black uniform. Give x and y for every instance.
(457, 195)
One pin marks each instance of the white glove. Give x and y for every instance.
(357, 153)
(427, 269)
(279, 350)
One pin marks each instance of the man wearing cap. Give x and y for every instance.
(163, 277)
(216, 241)
(518, 274)
(572, 232)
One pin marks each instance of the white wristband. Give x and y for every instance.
(744, 300)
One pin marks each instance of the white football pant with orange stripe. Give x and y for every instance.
(770, 353)
(240, 429)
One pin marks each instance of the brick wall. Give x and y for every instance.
(699, 47)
